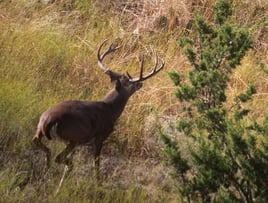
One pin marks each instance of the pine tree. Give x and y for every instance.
(227, 163)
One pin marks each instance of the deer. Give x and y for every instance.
(80, 122)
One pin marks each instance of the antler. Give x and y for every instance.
(153, 72)
(102, 56)
(111, 73)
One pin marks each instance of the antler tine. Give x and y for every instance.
(105, 53)
(99, 49)
(129, 76)
(156, 62)
(153, 72)
(141, 67)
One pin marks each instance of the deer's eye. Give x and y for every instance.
(126, 83)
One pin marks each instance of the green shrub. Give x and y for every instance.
(227, 160)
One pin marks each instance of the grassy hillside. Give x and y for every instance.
(48, 55)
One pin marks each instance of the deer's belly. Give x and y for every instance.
(79, 133)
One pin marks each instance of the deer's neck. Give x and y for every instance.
(117, 101)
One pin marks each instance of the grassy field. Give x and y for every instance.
(48, 55)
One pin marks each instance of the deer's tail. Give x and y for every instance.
(46, 130)
(37, 139)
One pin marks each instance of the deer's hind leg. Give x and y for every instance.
(63, 156)
(37, 139)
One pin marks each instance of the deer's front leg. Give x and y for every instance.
(96, 162)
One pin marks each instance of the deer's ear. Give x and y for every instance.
(114, 76)
(117, 83)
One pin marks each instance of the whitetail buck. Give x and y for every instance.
(82, 122)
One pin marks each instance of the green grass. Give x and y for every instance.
(48, 55)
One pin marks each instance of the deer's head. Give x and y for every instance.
(126, 84)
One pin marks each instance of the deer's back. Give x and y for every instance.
(77, 121)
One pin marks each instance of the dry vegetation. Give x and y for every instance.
(48, 54)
